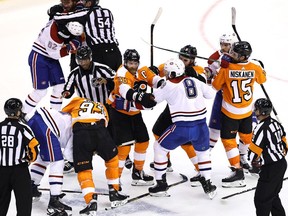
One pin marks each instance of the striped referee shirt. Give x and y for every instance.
(267, 142)
(84, 81)
(15, 137)
(99, 27)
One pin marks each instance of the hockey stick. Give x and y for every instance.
(265, 93)
(260, 62)
(151, 34)
(100, 192)
(151, 37)
(181, 53)
(183, 180)
(233, 10)
(244, 191)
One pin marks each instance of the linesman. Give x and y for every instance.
(267, 153)
(18, 148)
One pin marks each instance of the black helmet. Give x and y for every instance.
(243, 48)
(12, 106)
(188, 51)
(131, 55)
(84, 52)
(263, 105)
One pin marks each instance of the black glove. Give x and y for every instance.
(145, 99)
(53, 10)
(154, 69)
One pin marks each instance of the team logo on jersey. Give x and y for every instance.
(242, 74)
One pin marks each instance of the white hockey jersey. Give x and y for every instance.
(59, 123)
(48, 42)
(186, 98)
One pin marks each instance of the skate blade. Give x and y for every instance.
(142, 183)
(235, 184)
(212, 194)
(115, 204)
(160, 194)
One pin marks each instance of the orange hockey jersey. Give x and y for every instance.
(86, 111)
(237, 82)
(124, 81)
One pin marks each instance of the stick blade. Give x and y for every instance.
(233, 10)
(157, 16)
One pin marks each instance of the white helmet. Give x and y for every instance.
(75, 28)
(228, 38)
(174, 68)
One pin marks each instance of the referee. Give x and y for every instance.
(91, 80)
(18, 148)
(268, 150)
(100, 35)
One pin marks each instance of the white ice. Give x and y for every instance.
(199, 23)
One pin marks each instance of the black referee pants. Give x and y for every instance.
(16, 178)
(269, 184)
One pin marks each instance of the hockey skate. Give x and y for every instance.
(117, 198)
(160, 189)
(36, 194)
(140, 178)
(68, 167)
(91, 208)
(55, 207)
(236, 179)
(195, 181)
(208, 188)
(244, 163)
(169, 166)
(128, 163)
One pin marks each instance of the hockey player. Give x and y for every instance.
(18, 148)
(186, 100)
(44, 63)
(226, 41)
(187, 56)
(90, 136)
(53, 130)
(236, 80)
(267, 152)
(131, 82)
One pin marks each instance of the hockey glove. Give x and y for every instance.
(73, 45)
(154, 69)
(145, 99)
(32, 150)
(161, 83)
(225, 60)
(53, 10)
(209, 73)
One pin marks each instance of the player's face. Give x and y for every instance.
(132, 66)
(187, 61)
(225, 47)
(68, 5)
